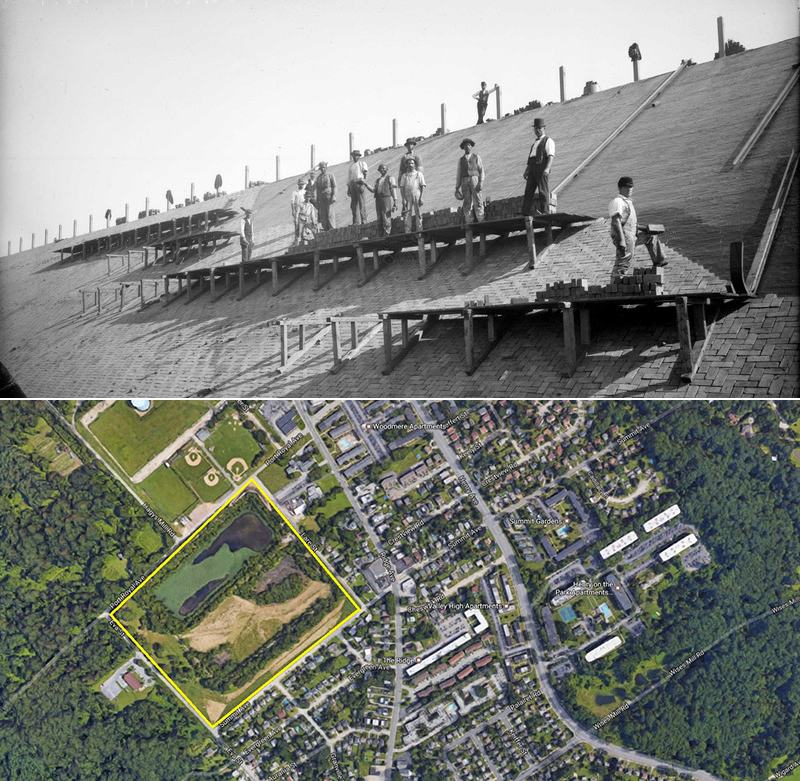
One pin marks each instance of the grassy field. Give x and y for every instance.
(231, 440)
(133, 439)
(167, 493)
(45, 442)
(189, 578)
(114, 568)
(147, 540)
(194, 474)
(274, 477)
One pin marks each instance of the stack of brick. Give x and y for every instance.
(642, 282)
(504, 208)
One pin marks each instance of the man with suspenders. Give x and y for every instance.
(537, 171)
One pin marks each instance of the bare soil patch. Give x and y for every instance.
(286, 566)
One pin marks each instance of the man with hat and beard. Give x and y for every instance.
(469, 181)
(325, 187)
(410, 144)
(356, 178)
(625, 233)
(246, 235)
(537, 171)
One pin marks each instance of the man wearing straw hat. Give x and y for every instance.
(356, 178)
(469, 182)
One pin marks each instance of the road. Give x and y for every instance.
(526, 613)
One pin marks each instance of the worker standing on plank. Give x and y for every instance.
(537, 171)
(298, 201)
(385, 191)
(412, 186)
(246, 234)
(469, 182)
(626, 234)
(409, 155)
(356, 178)
(326, 197)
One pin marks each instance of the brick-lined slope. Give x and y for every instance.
(679, 152)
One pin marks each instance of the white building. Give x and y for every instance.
(662, 518)
(678, 547)
(604, 648)
(618, 545)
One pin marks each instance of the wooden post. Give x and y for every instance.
(362, 271)
(570, 349)
(387, 344)
(375, 260)
(91, 219)
(45, 236)
(277, 168)
(241, 281)
(301, 336)
(127, 212)
(188, 286)
(562, 83)
(337, 347)
(108, 263)
(404, 331)
(721, 37)
(129, 261)
(313, 156)
(98, 301)
(353, 335)
(444, 118)
(394, 133)
(212, 284)
(121, 296)
(498, 92)
(246, 176)
(585, 322)
(274, 265)
(33, 240)
(316, 269)
(531, 242)
(83, 301)
(482, 245)
(284, 342)
(635, 69)
(166, 288)
(468, 247)
(74, 228)
(469, 341)
(59, 236)
(433, 252)
(421, 251)
(684, 332)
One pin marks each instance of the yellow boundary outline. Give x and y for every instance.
(239, 492)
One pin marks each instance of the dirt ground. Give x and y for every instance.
(235, 616)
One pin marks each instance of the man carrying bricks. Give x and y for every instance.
(537, 171)
(325, 187)
(410, 144)
(412, 185)
(246, 235)
(385, 191)
(356, 178)
(469, 182)
(626, 234)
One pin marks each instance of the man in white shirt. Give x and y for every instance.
(298, 200)
(469, 182)
(537, 171)
(385, 191)
(412, 186)
(625, 233)
(356, 177)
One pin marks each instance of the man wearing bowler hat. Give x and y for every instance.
(356, 178)
(409, 155)
(469, 181)
(626, 234)
(537, 171)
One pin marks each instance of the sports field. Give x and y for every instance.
(167, 493)
(133, 439)
(232, 445)
(199, 474)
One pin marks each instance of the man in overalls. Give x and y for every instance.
(326, 197)
(385, 191)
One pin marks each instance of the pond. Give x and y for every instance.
(196, 598)
(246, 531)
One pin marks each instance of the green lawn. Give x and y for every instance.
(230, 440)
(114, 568)
(133, 439)
(274, 477)
(189, 578)
(194, 474)
(148, 540)
(167, 493)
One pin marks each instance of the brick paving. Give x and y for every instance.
(229, 348)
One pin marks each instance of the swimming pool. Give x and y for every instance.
(606, 611)
(563, 531)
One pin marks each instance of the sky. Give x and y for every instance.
(108, 102)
